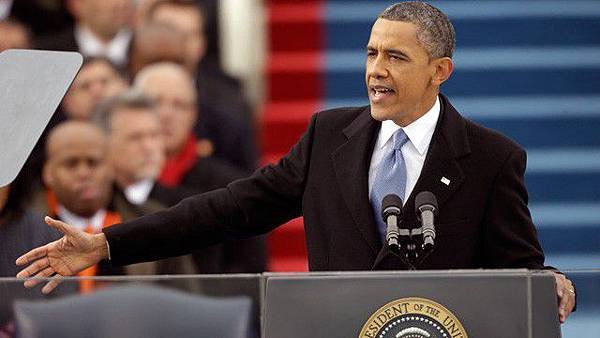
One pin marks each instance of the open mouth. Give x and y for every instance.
(88, 193)
(379, 93)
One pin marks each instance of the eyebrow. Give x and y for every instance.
(391, 51)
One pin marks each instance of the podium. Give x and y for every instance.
(457, 304)
(408, 304)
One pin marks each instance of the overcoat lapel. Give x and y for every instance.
(442, 174)
(351, 164)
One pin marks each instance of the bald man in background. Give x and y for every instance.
(172, 88)
(79, 181)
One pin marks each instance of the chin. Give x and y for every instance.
(380, 114)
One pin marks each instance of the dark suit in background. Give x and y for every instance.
(63, 40)
(484, 221)
(226, 118)
(42, 16)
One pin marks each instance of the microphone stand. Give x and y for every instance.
(410, 249)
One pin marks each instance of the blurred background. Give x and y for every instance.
(527, 68)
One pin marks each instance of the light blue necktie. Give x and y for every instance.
(390, 178)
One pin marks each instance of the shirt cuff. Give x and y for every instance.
(108, 249)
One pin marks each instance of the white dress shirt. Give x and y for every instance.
(414, 150)
(115, 50)
(81, 223)
(139, 192)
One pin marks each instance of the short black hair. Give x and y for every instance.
(434, 30)
(130, 99)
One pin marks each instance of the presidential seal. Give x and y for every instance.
(413, 318)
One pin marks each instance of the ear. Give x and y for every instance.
(74, 7)
(47, 176)
(442, 71)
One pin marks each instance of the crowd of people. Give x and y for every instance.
(148, 121)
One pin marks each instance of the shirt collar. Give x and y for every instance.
(96, 221)
(138, 192)
(115, 49)
(419, 132)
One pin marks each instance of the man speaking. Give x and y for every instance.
(410, 139)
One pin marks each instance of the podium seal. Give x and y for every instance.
(413, 318)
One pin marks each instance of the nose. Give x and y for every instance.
(377, 67)
(97, 90)
(164, 112)
(83, 170)
(150, 143)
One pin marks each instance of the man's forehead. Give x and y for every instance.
(133, 112)
(169, 9)
(79, 152)
(393, 32)
(141, 116)
(74, 137)
(169, 84)
(94, 69)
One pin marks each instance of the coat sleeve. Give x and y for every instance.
(509, 236)
(245, 208)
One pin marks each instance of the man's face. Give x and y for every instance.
(106, 17)
(190, 22)
(95, 82)
(136, 145)
(77, 170)
(175, 98)
(398, 73)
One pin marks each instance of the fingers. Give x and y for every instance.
(567, 302)
(566, 296)
(31, 270)
(47, 272)
(60, 226)
(32, 255)
(51, 285)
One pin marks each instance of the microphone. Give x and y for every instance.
(426, 209)
(391, 211)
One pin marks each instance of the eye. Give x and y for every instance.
(71, 163)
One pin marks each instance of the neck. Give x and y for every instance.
(421, 109)
(104, 38)
(84, 215)
(124, 181)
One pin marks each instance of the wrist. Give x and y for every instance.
(101, 246)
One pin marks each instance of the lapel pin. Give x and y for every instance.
(445, 181)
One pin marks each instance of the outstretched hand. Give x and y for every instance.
(67, 256)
